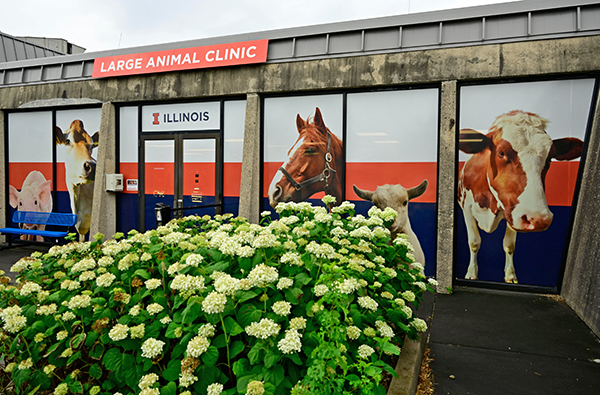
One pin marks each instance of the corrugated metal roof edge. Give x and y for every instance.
(490, 10)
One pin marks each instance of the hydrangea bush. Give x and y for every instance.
(317, 302)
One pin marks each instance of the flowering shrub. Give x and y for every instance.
(317, 302)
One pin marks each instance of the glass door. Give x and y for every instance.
(182, 171)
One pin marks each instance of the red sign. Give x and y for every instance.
(247, 52)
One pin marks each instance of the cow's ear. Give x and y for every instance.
(319, 123)
(300, 123)
(95, 139)
(363, 194)
(471, 141)
(568, 148)
(417, 191)
(44, 191)
(60, 136)
(14, 196)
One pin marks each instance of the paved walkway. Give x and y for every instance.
(496, 342)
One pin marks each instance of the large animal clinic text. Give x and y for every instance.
(247, 52)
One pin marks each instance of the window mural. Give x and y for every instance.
(520, 145)
(390, 138)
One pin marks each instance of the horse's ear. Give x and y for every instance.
(319, 123)
(300, 124)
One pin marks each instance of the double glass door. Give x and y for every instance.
(183, 171)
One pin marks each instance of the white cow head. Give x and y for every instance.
(80, 167)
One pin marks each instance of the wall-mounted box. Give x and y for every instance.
(114, 182)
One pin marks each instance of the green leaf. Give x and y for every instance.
(232, 327)
(97, 351)
(302, 279)
(76, 387)
(171, 373)
(271, 359)
(219, 266)
(243, 296)
(170, 333)
(211, 356)
(191, 312)
(275, 375)
(245, 264)
(95, 371)
(293, 295)
(236, 348)
(91, 339)
(248, 314)
(77, 340)
(182, 346)
(155, 248)
(142, 273)
(74, 358)
(240, 367)
(391, 348)
(169, 389)
(112, 360)
(254, 353)
(20, 376)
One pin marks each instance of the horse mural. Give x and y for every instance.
(313, 164)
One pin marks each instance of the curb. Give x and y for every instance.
(408, 366)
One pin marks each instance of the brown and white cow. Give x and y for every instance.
(505, 178)
(397, 197)
(80, 172)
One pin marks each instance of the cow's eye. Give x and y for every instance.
(35, 202)
(501, 154)
(67, 142)
(20, 203)
(405, 203)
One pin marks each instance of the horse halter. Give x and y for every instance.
(323, 176)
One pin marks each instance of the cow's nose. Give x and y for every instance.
(536, 223)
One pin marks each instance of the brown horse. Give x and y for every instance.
(313, 165)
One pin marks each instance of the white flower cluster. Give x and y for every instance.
(13, 320)
(419, 324)
(214, 389)
(207, 330)
(291, 342)
(148, 381)
(353, 332)
(154, 308)
(175, 237)
(80, 302)
(214, 303)
(265, 240)
(365, 351)
(348, 286)
(83, 265)
(263, 329)
(262, 275)
(292, 258)
(298, 323)
(409, 296)
(70, 285)
(282, 308)
(118, 332)
(153, 283)
(321, 250)
(197, 346)
(384, 329)
(362, 233)
(256, 387)
(152, 348)
(224, 283)
(105, 280)
(342, 208)
(368, 303)
(127, 261)
(285, 283)
(186, 282)
(46, 309)
(320, 290)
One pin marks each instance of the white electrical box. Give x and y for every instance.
(114, 182)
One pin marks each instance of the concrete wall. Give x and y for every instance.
(447, 67)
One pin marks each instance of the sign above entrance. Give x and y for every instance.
(234, 54)
(181, 117)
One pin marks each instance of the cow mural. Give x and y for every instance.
(35, 195)
(397, 197)
(505, 179)
(312, 165)
(80, 172)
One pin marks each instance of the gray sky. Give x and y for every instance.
(109, 24)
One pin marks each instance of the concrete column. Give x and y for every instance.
(3, 175)
(104, 210)
(446, 187)
(581, 283)
(250, 188)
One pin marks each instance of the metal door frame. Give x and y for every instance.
(177, 138)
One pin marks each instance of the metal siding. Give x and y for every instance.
(309, 46)
(13, 76)
(378, 39)
(421, 35)
(506, 27)
(590, 18)
(9, 49)
(51, 72)
(32, 74)
(345, 42)
(551, 22)
(462, 31)
(280, 49)
(72, 70)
